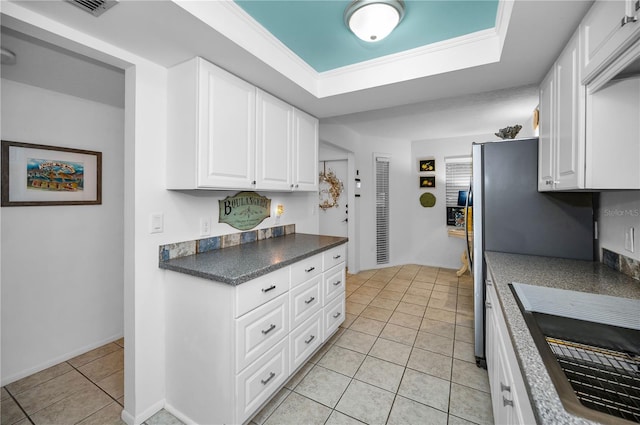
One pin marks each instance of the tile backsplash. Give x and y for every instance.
(199, 246)
(621, 263)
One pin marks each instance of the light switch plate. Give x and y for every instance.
(205, 226)
(156, 223)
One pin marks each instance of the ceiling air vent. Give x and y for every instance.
(95, 7)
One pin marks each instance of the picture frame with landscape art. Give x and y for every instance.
(42, 175)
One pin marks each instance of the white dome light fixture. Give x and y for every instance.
(373, 20)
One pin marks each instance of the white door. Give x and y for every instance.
(334, 221)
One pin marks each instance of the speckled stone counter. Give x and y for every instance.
(573, 275)
(241, 263)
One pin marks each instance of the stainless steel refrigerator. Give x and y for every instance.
(510, 215)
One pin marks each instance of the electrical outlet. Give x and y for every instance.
(205, 226)
(629, 235)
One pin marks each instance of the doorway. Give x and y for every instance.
(334, 221)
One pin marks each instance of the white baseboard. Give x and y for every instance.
(178, 414)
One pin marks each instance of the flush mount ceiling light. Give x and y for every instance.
(373, 20)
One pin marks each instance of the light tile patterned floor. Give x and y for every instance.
(404, 355)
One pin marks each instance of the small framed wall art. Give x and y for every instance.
(427, 165)
(39, 175)
(428, 181)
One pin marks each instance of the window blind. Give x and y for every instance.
(382, 210)
(458, 177)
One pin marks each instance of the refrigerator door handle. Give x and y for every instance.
(466, 227)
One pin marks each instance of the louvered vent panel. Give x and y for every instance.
(95, 7)
(382, 210)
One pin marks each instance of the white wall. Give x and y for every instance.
(618, 211)
(62, 266)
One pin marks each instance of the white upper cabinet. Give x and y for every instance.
(305, 153)
(224, 133)
(607, 30)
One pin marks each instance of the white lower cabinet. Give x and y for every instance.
(231, 348)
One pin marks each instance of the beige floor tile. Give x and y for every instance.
(406, 320)
(163, 418)
(342, 360)
(431, 363)
(391, 351)
(390, 295)
(113, 384)
(436, 343)
(470, 404)
(366, 403)
(425, 389)
(448, 304)
(299, 376)
(273, 404)
(401, 289)
(446, 281)
(445, 289)
(297, 409)
(464, 308)
(441, 315)
(11, 412)
(381, 373)
(409, 412)
(356, 341)
(467, 292)
(438, 295)
(418, 291)
(352, 287)
(416, 299)
(5, 394)
(348, 320)
(367, 291)
(454, 420)
(38, 378)
(104, 366)
(470, 375)
(375, 284)
(121, 401)
(464, 319)
(323, 385)
(376, 313)
(367, 326)
(382, 277)
(384, 303)
(360, 298)
(465, 299)
(74, 408)
(399, 334)
(52, 391)
(92, 355)
(333, 338)
(320, 353)
(464, 351)
(412, 309)
(108, 415)
(416, 284)
(425, 277)
(338, 418)
(120, 342)
(465, 334)
(354, 308)
(437, 327)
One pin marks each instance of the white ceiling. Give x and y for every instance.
(167, 34)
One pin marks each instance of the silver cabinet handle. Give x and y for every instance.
(335, 257)
(311, 338)
(266, 381)
(487, 304)
(310, 269)
(507, 402)
(272, 327)
(310, 300)
(504, 387)
(296, 185)
(270, 288)
(489, 282)
(628, 19)
(335, 316)
(291, 185)
(337, 283)
(253, 182)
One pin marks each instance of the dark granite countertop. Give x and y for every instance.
(241, 263)
(584, 276)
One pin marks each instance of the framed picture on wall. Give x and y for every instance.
(427, 165)
(39, 175)
(428, 181)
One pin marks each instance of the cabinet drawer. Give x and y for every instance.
(304, 340)
(256, 292)
(260, 380)
(260, 329)
(334, 256)
(334, 283)
(305, 299)
(333, 316)
(305, 269)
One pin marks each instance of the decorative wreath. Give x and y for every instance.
(332, 193)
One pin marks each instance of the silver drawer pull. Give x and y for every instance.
(310, 300)
(506, 402)
(311, 338)
(272, 287)
(487, 304)
(337, 283)
(335, 257)
(335, 316)
(310, 269)
(272, 327)
(266, 381)
(504, 387)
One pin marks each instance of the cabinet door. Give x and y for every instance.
(226, 125)
(570, 98)
(603, 35)
(546, 136)
(274, 143)
(305, 161)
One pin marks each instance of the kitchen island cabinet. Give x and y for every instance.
(233, 341)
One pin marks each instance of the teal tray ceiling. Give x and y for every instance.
(315, 31)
